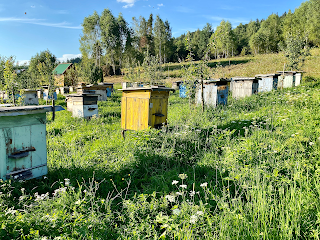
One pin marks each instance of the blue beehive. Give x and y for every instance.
(215, 92)
(267, 82)
(23, 150)
(182, 91)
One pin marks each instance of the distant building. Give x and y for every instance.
(64, 75)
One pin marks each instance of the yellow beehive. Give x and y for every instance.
(144, 107)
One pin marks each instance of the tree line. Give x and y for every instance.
(109, 44)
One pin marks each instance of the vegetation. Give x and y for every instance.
(248, 170)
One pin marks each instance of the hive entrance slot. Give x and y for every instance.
(21, 153)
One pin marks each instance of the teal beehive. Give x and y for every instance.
(23, 149)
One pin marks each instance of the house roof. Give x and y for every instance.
(61, 68)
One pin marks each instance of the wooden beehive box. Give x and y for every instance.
(267, 82)
(109, 88)
(244, 86)
(83, 105)
(175, 85)
(286, 79)
(23, 150)
(30, 97)
(214, 92)
(144, 107)
(298, 78)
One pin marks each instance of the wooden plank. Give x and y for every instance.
(137, 94)
(124, 113)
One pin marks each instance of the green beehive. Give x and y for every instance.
(23, 150)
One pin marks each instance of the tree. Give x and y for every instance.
(45, 70)
(295, 51)
(9, 77)
(43, 57)
(90, 40)
(269, 35)
(223, 39)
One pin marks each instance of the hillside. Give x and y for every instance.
(241, 66)
(249, 170)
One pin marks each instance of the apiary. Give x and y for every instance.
(244, 86)
(268, 82)
(144, 107)
(23, 150)
(82, 105)
(286, 79)
(30, 97)
(214, 92)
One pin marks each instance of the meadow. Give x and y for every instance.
(248, 170)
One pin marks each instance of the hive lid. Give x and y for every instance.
(287, 72)
(152, 88)
(104, 83)
(83, 95)
(267, 75)
(243, 78)
(25, 110)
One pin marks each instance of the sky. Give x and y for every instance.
(29, 27)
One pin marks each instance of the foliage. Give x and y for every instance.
(9, 77)
(40, 66)
(295, 51)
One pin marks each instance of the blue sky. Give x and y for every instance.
(28, 27)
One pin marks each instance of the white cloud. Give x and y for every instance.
(23, 62)
(65, 57)
(160, 5)
(33, 6)
(39, 22)
(130, 3)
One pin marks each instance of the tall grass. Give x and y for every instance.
(249, 170)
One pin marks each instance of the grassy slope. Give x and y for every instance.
(246, 66)
(259, 157)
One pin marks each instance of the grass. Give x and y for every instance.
(249, 170)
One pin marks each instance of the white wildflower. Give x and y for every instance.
(179, 193)
(176, 211)
(193, 219)
(67, 182)
(78, 202)
(205, 184)
(200, 213)
(175, 182)
(170, 198)
(192, 193)
(311, 143)
(10, 211)
(183, 186)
